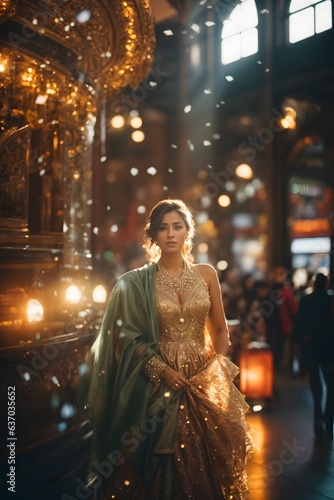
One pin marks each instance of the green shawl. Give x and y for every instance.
(126, 421)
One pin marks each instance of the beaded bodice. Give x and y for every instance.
(183, 322)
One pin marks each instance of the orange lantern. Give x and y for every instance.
(256, 371)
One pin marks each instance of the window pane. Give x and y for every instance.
(245, 15)
(242, 17)
(231, 26)
(231, 49)
(301, 25)
(249, 42)
(301, 4)
(323, 16)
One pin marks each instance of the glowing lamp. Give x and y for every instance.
(35, 311)
(99, 294)
(256, 371)
(73, 294)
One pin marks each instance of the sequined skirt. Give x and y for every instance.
(213, 440)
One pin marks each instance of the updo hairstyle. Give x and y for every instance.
(153, 224)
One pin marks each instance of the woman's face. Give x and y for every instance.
(172, 233)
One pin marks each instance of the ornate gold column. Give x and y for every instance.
(59, 61)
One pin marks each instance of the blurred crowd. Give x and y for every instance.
(266, 310)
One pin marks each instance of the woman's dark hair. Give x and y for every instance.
(153, 224)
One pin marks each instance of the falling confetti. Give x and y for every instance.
(187, 108)
(209, 24)
(191, 146)
(207, 91)
(152, 170)
(229, 78)
(55, 381)
(67, 411)
(170, 170)
(134, 171)
(206, 143)
(196, 28)
(174, 146)
(168, 33)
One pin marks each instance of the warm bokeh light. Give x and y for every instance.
(136, 122)
(224, 200)
(202, 174)
(222, 265)
(300, 277)
(244, 171)
(35, 311)
(203, 248)
(117, 121)
(138, 136)
(99, 294)
(289, 111)
(288, 123)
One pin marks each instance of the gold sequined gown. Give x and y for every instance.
(213, 439)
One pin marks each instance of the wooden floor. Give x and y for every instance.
(289, 463)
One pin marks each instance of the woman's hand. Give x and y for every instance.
(174, 379)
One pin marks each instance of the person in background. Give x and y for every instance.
(314, 331)
(167, 417)
(282, 294)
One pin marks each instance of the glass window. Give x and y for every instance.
(296, 5)
(309, 17)
(323, 17)
(239, 33)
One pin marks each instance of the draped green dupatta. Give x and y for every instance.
(126, 422)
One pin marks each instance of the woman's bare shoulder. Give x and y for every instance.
(206, 270)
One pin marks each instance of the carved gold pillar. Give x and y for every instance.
(63, 60)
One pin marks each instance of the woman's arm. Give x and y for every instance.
(217, 324)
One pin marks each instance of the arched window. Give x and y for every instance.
(307, 18)
(239, 33)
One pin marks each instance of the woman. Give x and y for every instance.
(168, 421)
